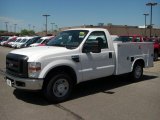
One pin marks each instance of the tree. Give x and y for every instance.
(27, 32)
(31, 32)
(109, 24)
(2, 31)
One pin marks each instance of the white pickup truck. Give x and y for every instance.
(74, 56)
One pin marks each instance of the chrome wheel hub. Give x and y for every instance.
(60, 87)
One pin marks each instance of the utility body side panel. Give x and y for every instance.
(128, 53)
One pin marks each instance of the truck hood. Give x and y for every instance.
(40, 52)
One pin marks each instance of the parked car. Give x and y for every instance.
(14, 44)
(130, 38)
(156, 43)
(32, 41)
(48, 41)
(11, 39)
(23, 42)
(114, 37)
(4, 38)
(41, 41)
(1, 38)
(27, 41)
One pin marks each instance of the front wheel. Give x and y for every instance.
(137, 72)
(58, 88)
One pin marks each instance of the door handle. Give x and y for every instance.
(110, 54)
(75, 58)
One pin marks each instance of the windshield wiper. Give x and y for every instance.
(70, 46)
(66, 46)
(57, 45)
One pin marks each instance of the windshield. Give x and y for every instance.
(124, 39)
(39, 41)
(5, 39)
(69, 39)
(18, 40)
(29, 41)
(24, 40)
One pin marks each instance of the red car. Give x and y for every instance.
(46, 41)
(130, 38)
(156, 43)
(10, 39)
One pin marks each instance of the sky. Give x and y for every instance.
(68, 13)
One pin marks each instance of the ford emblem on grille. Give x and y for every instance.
(10, 65)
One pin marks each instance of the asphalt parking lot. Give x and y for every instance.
(111, 98)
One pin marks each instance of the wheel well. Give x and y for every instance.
(140, 62)
(60, 69)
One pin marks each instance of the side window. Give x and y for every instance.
(100, 36)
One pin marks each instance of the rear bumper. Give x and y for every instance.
(25, 83)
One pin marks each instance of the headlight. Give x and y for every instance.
(34, 69)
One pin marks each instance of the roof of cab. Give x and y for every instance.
(89, 29)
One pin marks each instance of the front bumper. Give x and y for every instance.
(24, 83)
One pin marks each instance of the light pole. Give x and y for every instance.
(151, 4)
(52, 27)
(29, 25)
(6, 26)
(46, 21)
(33, 28)
(15, 27)
(10, 28)
(145, 15)
(127, 30)
(56, 26)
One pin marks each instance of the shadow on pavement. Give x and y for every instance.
(104, 85)
(35, 97)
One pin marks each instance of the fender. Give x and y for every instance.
(58, 63)
(137, 59)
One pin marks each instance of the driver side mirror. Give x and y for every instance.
(91, 46)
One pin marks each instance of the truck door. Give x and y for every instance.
(96, 65)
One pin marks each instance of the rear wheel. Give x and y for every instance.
(137, 72)
(58, 88)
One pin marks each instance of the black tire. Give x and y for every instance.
(137, 72)
(58, 88)
(156, 56)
